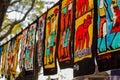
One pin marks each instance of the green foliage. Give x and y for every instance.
(17, 11)
(17, 28)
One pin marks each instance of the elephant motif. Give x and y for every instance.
(82, 6)
(82, 34)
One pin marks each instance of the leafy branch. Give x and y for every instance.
(17, 22)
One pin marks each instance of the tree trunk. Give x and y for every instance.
(4, 4)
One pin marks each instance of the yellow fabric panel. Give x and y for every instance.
(4, 58)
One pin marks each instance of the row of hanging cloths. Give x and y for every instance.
(93, 34)
(15, 52)
(72, 32)
(9, 57)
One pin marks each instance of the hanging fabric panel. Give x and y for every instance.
(65, 51)
(23, 46)
(30, 48)
(50, 66)
(40, 41)
(108, 41)
(83, 38)
(5, 59)
(10, 56)
(1, 52)
(15, 54)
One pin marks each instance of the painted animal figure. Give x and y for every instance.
(82, 34)
(82, 6)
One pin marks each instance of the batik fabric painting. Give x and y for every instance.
(5, 59)
(40, 41)
(10, 56)
(50, 67)
(1, 52)
(108, 42)
(65, 34)
(23, 47)
(15, 55)
(83, 38)
(29, 53)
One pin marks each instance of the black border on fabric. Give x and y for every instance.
(35, 54)
(95, 32)
(51, 71)
(110, 63)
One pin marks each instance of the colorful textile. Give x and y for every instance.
(5, 59)
(50, 67)
(30, 47)
(10, 56)
(23, 46)
(84, 38)
(65, 50)
(108, 42)
(1, 52)
(15, 54)
(40, 41)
